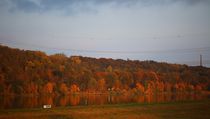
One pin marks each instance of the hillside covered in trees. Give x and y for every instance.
(34, 72)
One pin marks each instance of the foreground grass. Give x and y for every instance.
(172, 110)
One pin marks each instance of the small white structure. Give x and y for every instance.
(47, 106)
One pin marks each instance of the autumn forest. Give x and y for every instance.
(25, 72)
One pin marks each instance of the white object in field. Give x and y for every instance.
(46, 106)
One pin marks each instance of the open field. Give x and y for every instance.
(172, 110)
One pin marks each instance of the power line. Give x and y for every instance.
(204, 50)
(169, 51)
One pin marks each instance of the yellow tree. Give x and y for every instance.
(92, 85)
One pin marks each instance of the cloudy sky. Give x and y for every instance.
(174, 31)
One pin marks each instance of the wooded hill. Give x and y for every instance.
(34, 72)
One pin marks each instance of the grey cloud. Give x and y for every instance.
(193, 2)
(66, 6)
(74, 6)
(81, 4)
(25, 5)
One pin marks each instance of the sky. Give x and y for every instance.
(173, 31)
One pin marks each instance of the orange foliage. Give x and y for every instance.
(26, 72)
(100, 74)
(150, 88)
(74, 100)
(47, 100)
(159, 86)
(190, 88)
(198, 88)
(74, 88)
(31, 88)
(140, 74)
(76, 59)
(140, 87)
(63, 101)
(48, 88)
(168, 87)
(154, 75)
(181, 87)
(101, 85)
(176, 87)
(63, 89)
(117, 85)
(31, 102)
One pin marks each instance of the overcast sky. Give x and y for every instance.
(174, 31)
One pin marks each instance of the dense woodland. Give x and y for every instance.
(34, 72)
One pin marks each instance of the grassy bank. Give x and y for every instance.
(172, 110)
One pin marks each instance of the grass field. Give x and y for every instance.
(172, 110)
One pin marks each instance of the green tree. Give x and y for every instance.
(92, 85)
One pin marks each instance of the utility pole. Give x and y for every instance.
(200, 60)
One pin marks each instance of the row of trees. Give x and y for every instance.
(34, 72)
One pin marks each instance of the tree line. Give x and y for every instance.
(34, 72)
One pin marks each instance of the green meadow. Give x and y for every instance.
(170, 110)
